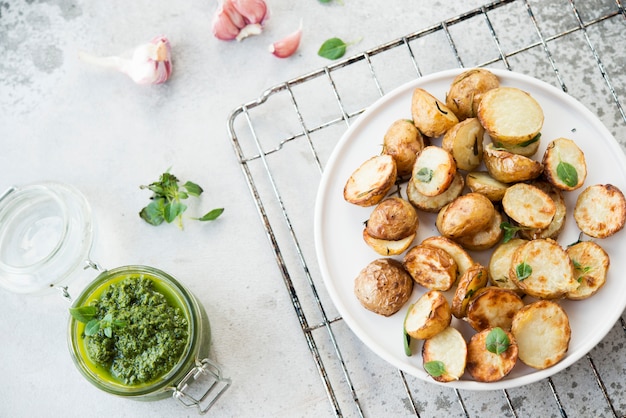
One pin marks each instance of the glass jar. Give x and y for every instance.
(46, 234)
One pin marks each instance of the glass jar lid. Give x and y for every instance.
(46, 234)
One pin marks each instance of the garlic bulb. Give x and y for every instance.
(287, 46)
(150, 63)
(238, 19)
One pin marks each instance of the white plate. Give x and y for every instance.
(342, 253)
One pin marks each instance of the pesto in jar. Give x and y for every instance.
(152, 340)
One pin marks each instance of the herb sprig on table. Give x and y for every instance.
(167, 201)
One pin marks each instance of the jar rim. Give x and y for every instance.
(187, 358)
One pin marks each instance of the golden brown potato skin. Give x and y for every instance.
(383, 286)
(465, 215)
(431, 116)
(371, 181)
(403, 141)
(470, 282)
(485, 366)
(465, 142)
(507, 167)
(431, 267)
(428, 316)
(392, 219)
(466, 89)
(482, 182)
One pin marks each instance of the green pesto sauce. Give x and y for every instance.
(153, 339)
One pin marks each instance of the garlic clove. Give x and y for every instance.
(150, 63)
(249, 30)
(253, 11)
(223, 26)
(287, 46)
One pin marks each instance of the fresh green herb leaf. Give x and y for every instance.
(509, 231)
(497, 341)
(406, 338)
(166, 202)
(92, 327)
(83, 313)
(581, 268)
(212, 215)
(531, 140)
(435, 368)
(523, 271)
(567, 173)
(424, 174)
(333, 48)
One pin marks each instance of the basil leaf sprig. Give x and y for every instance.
(167, 201)
(334, 48)
(567, 173)
(87, 315)
(509, 231)
(497, 341)
(435, 368)
(523, 271)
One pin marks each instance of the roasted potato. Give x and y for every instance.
(444, 356)
(500, 264)
(507, 167)
(431, 267)
(600, 210)
(591, 264)
(464, 141)
(469, 283)
(528, 205)
(431, 116)
(484, 362)
(541, 268)
(435, 203)
(564, 164)
(493, 307)
(466, 90)
(403, 141)
(392, 219)
(485, 239)
(482, 182)
(465, 215)
(558, 221)
(371, 182)
(433, 171)
(386, 247)
(428, 316)
(462, 259)
(542, 332)
(383, 286)
(510, 115)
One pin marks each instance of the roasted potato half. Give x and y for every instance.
(444, 356)
(528, 205)
(591, 265)
(526, 148)
(386, 247)
(466, 90)
(482, 182)
(464, 141)
(431, 267)
(371, 182)
(431, 116)
(500, 264)
(558, 221)
(564, 164)
(510, 115)
(462, 259)
(435, 203)
(392, 219)
(428, 316)
(541, 268)
(485, 239)
(489, 361)
(600, 210)
(383, 286)
(493, 307)
(507, 167)
(465, 215)
(542, 332)
(433, 171)
(474, 278)
(403, 141)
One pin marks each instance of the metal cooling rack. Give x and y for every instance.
(283, 138)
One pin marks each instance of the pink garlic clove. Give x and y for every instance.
(287, 46)
(238, 19)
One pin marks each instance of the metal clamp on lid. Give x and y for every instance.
(217, 386)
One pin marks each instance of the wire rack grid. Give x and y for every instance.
(283, 139)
